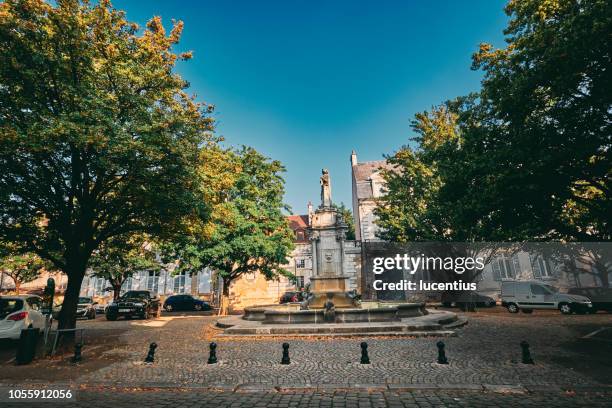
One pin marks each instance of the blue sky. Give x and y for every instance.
(305, 82)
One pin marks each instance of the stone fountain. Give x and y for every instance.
(330, 308)
(327, 234)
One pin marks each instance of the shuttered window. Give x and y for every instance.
(505, 267)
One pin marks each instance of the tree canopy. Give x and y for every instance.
(528, 157)
(117, 260)
(20, 267)
(247, 231)
(98, 137)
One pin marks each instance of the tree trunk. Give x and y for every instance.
(17, 285)
(224, 307)
(67, 316)
(116, 291)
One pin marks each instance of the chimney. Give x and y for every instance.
(353, 158)
(309, 213)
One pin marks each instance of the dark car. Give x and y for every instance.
(289, 297)
(185, 302)
(134, 303)
(601, 298)
(466, 298)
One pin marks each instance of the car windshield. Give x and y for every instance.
(8, 306)
(140, 295)
(84, 300)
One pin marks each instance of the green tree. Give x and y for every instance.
(529, 156)
(545, 111)
(248, 231)
(410, 210)
(97, 135)
(119, 259)
(20, 267)
(347, 216)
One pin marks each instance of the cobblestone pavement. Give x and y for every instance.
(486, 351)
(194, 398)
(484, 367)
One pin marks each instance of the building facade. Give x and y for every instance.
(367, 188)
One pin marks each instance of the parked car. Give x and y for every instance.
(462, 299)
(18, 313)
(288, 297)
(134, 303)
(86, 308)
(185, 302)
(100, 308)
(529, 295)
(601, 298)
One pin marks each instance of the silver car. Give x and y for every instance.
(529, 295)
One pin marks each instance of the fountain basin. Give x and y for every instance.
(290, 314)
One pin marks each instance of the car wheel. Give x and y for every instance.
(513, 308)
(527, 311)
(168, 308)
(111, 317)
(565, 308)
(197, 307)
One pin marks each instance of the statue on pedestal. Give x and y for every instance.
(326, 201)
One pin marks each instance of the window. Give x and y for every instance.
(153, 282)
(505, 267)
(300, 263)
(127, 285)
(539, 290)
(299, 282)
(299, 235)
(99, 286)
(179, 283)
(34, 303)
(540, 267)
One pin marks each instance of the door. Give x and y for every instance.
(540, 297)
(185, 302)
(189, 302)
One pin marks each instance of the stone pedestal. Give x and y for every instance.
(327, 234)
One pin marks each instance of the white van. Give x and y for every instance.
(529, 295)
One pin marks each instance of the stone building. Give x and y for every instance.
(367, 187)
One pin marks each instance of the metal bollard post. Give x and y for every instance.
(151, 354)
(441, 353)
(77, 353)
(212, 357)
(526, 358)
(285, 359)
(365, 359)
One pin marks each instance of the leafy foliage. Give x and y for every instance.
(120, 258)
(528, 157)
(97, 135)
(20, 267)
(347, 216)
(247, 231)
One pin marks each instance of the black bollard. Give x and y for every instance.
(77, 353)
(365, 359)
(151, 354)
(441, 354)
(212, 357)
(285, 359)
(526, 353)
